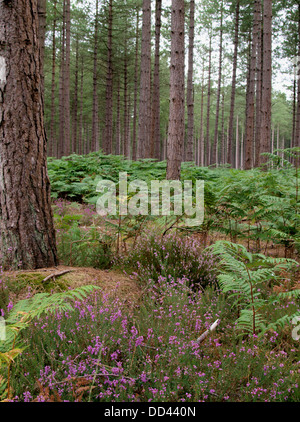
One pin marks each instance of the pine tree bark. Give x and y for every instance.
(108, 134)
(52, 146)
(75, 103)
(61, 142)
(42, 35)
(266, 104)
(95, 124)
(297, 130)
(155, 130)
(258, 87)
(136, 80)
(145, 85)
(80, 134)
(202, 163)
(250, 117)
(176, 113)
(190, 86)
(126, 108)
(233, 85)
(27, 236)
(66, 82)
(216, 138)
(208, 149)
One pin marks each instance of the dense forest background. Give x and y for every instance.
(107, 78)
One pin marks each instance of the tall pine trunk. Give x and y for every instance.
(250, 117)
(176, 113)
(190, 86)
(233, 85)
(27, 236)
(145, 85)
(208, 150)
(216, 149)
(52, 146)
(66, 81)
(95, 124)
(155, 130)
(108, 134)
(266, 104)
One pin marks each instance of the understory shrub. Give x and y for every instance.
(85, 247)
(172, 256)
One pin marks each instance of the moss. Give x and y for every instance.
(35, 280)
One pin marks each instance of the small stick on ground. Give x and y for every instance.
(56, 275)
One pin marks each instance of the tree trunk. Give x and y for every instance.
(52, 150)
(66, 81)
(176, 113)
(258, 88)
(75, 104)
(136, 78)
(216, 149)
(250, 117)
(145, 85)
(297, 131)
(190, 86)
(80, 136)
(95, 125)
(108, 134)
(126, 108)
(62, 85)
(202, 120)
(208, 104)
(42, 35)
(27, 236)
(233, 86)
(155, 132)
(266, 105)
(118, 122)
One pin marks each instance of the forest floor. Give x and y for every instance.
(113, 283)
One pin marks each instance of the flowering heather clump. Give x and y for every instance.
(172, 255)
(103, 351)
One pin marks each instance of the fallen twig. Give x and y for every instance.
(56, 275)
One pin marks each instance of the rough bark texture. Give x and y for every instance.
(145, 85)
(136, 80)
(42, 35)
(53, 144)
(66, 82)
(27, 237)
(233, 86)
(95, 128)
(108, 136)
(297, 130)
(155, 130)
(190, 86)
(250, 117)
(75, 102)
(208, 103)
(176, 117)
(266, 104)
(258, 87)
(216, 138)
(60, 146)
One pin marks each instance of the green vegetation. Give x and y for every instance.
(240, 267)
